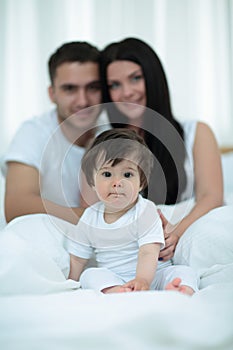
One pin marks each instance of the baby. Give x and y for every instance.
(123, 229)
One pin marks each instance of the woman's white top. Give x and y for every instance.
(189, 139)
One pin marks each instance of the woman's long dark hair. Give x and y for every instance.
(162, 133)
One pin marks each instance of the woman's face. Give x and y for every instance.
(127, 85)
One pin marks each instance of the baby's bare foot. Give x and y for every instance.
(186, 290)
(116, 289)
(176, 285)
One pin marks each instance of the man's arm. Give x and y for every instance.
(87, 195)
(76, 267)
(23, 197)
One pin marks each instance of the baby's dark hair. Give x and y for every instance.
(113, 146)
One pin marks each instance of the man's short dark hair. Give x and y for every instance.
(76, 51)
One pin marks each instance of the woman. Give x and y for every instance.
(187, 155)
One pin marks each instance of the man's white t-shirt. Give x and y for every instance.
(40, 143)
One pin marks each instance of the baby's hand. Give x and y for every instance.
(137, 284)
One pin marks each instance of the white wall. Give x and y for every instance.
(192, 37)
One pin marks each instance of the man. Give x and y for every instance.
(42, 163)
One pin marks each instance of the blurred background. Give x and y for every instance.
(193, 38)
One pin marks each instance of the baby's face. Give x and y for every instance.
(118, 186)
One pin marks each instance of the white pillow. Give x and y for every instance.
(43, 233)
(207, 246)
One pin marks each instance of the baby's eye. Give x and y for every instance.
(106, 174)
(128, 174)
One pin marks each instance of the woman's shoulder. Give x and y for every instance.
(203, 127)
(205, 135)
(196, 131)
(194, 126)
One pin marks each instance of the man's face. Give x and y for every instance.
(76, 88)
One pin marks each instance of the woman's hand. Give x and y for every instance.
(171, 239)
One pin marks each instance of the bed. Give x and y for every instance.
(40, 309)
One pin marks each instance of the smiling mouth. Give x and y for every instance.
(132, 104)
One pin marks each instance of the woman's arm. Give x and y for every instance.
(146, 267)
(208, 187)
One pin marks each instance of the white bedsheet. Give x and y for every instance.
(85, 320)
(52, 313)
(41, 310)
